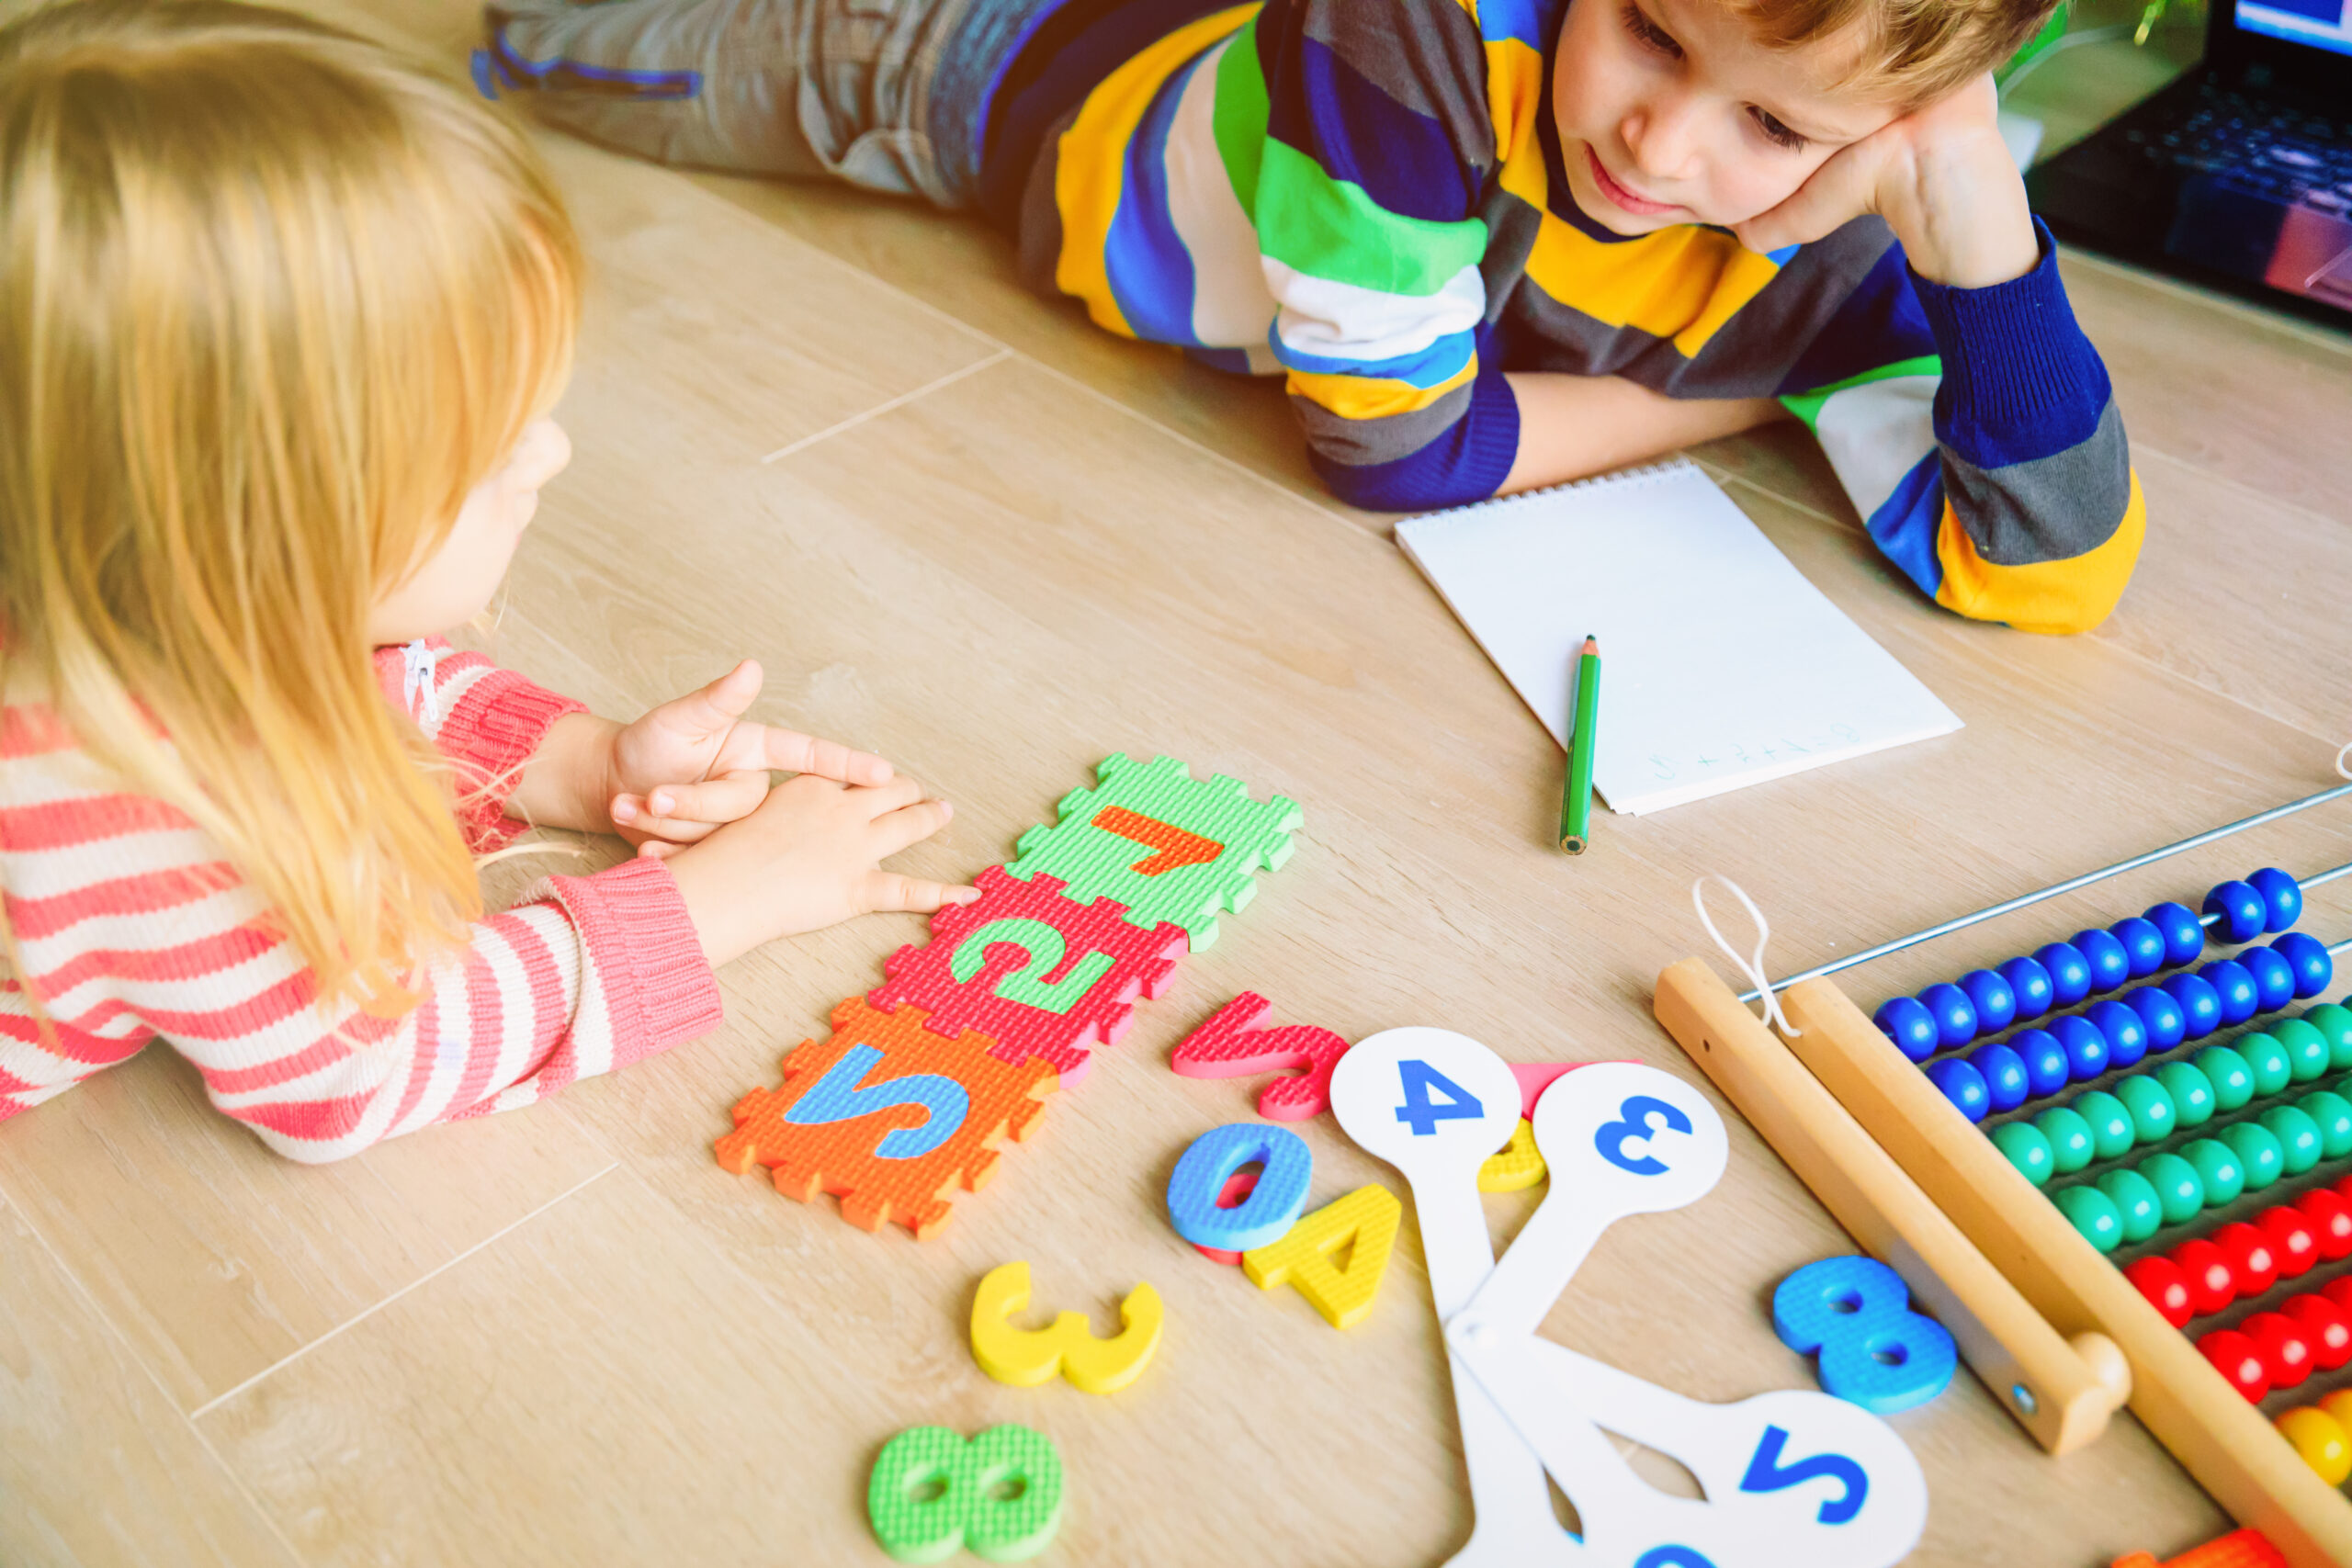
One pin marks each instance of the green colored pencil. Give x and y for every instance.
(1576, 801)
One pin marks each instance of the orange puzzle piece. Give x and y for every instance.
(888, 1117)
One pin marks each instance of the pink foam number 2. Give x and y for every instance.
(1234, 1044)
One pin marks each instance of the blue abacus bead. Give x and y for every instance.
(2240, 996)
(2308, 956)
(2282, 898)
(2184, 932)
(2006, 1082)
(1875, 1352)
(2029, 984)
(2069, 971)
(2085, 1047)
(2159, 1014)
(1996, 1004)
(1963, 1084)
(1910, 1025)
(2127, 1037)
(2144, 945)
(2200, 1005)
(2239, 911)
(2045, 1061)
(1271, 1207)
(2274, 978)
(2111, 965)
(1954, 1014)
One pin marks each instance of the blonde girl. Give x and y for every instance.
(281, 318)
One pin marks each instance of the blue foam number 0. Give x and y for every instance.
(1635, 1122)
(1419, 1080)
(837, 1097)
(1876, 1351)
(1766, 1474)
(1673, 1557)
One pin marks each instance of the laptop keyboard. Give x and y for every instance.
(2261, 147)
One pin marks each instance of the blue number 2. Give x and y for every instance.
(1634, 1122)
(1418, 1078)
(838, 1097)
(1765, 1474)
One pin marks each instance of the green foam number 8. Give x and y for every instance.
(1044, 948)
(934, 1494)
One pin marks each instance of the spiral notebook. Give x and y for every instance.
(1723, 667)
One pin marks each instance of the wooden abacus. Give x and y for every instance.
(2022, 1277)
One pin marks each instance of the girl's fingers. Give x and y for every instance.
(796, 753)
(722, 799)
(884, 799)
(654, 849)
(909, 825)
(888, 892)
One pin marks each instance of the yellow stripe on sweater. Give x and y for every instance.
(2059, 597)
(1682, 283)
(1089, 172)
(1376, 397)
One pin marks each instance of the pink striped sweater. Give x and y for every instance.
(133, 927)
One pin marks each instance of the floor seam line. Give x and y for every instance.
(879, 410)
(364, 1315)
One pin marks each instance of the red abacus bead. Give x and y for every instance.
(2236, 1358)
(2254, 1263)
(2212, 1284)
(2286, 1354)
(2331, 1219)
(2339, 1290)
(2292, 1240)
(2167, 1287)
(2323, 1325)
(2342, 1188)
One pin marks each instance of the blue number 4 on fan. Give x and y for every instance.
(1420, 1081)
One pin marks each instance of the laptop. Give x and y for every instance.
(2237, 177)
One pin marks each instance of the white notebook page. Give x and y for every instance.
(1722, 665)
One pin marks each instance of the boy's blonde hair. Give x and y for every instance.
(272, 300)
(1912, 51)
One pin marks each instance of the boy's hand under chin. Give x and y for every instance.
(1941, 178)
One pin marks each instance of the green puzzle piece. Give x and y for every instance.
(1167, 845)
(933, 1494)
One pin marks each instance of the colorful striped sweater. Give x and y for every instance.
(132, 928)
(1367, 196)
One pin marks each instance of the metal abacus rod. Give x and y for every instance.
(2025, 900)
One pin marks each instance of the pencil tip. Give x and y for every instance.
(1591, 643)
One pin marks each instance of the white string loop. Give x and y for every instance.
(417, 690)
(1753, 967)
(2341, 771)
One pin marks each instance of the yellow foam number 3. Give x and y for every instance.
(1516, 1164)
(1043, 948)
(1306, 1256)
(1024, 1356)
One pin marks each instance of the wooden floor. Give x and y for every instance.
(964, 529)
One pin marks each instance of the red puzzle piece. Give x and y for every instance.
(1044, 976)
(846, 1121)
(1234, 1044)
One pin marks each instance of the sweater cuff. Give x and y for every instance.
(1469, 462)
(2020, 380)
(659, 988)
(492, 732)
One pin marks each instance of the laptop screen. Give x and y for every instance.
(2323, 24)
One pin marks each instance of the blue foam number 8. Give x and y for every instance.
(1418, 1078)
(1635, 1122)
(1876, 1351)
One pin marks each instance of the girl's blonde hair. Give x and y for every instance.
(272, 300)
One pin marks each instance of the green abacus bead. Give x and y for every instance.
(2334, 1019)
(2022, 1144)
(2257, 1150)
(2268, 1060)
(2110, 1123)
(2151, 1107)
(2332, 1114)
(2307, 1050)
(2093, 1215)
(2231, 1080)
(2136, 1203)
(2297, 1135)
(2218, 1170)
(2180, 1191)
(2191, 1091)
(2070, 1139)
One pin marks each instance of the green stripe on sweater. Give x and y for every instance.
(1333, 229)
